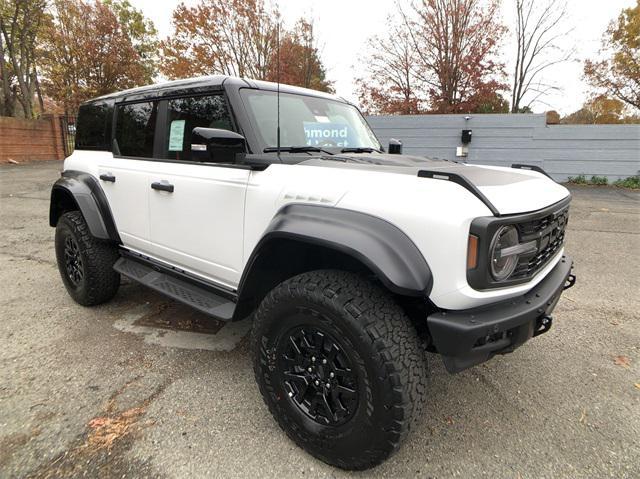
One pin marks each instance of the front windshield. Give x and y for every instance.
(307, 121)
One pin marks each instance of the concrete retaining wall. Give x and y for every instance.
(562, 150)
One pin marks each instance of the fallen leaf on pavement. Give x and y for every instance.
(584, 415)
(105, 431)
(623, 361)
(637, 385)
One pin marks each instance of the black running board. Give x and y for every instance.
(188, 293)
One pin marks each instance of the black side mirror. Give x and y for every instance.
(395, 147)
(217, 146)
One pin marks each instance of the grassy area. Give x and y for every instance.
(632, 182)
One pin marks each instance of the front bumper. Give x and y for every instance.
(469, 337)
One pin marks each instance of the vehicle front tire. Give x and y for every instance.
(340, 367)
(85, 263)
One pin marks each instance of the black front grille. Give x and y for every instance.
(548, 232)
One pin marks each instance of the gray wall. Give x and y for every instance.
(562, 150)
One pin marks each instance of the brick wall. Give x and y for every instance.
(30, 140)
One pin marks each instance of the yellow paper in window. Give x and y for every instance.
(176, 135)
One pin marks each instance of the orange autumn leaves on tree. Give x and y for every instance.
(236, 38)
(240, 38)
(618, 75)
(438, 57)
(299, 60)
(88, 52)
(390, 85)
(455, 43)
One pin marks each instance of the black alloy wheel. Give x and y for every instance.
(318, 375)
(73, 261)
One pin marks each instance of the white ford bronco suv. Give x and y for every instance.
(247, 199)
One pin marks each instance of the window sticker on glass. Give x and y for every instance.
(328, 134)
(176, 135)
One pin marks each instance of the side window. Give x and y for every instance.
(185, 114)
(93, 130)
(135, 126)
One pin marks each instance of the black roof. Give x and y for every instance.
(204, 84)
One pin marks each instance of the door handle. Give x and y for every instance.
(108, 177)
(163, 185)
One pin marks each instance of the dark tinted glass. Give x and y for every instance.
(93, 126)
(185, 114)
(135, 127)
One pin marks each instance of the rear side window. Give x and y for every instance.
(135, 127)
(185, 114)
(93, 126)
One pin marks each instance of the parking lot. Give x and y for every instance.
(143, 387)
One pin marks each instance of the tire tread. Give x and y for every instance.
(384, 325)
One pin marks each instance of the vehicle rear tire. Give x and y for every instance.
(340, 367)
(85, 263)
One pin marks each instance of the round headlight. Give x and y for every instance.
(503, 265)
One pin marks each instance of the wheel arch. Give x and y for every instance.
(301, 238)
(78, 191)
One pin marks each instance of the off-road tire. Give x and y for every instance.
(386, 353)
(99, 282)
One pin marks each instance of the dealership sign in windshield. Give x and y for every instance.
(328, 134)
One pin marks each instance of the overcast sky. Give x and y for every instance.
(343, 26)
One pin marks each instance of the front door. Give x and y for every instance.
(196, 209)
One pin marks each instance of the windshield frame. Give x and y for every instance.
(262, 144)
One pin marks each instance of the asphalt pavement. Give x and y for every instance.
(144, 387)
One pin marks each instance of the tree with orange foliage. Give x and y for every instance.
(455, 43)
(299, 60)
(391, 86)
(600, 110)
(619, 75)
(236, 38)
(88, 52)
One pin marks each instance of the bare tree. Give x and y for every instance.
(20, 24)
(540, 24)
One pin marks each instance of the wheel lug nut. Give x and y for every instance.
(328, 385)
(310, 369)
(313, 359)
(290, 394)
(331, 374)
(324, 361)
(317, 382)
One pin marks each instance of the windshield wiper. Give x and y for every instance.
(296, 149)
(359, 150)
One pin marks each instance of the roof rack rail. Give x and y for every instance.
(521, 166)
(462, 181)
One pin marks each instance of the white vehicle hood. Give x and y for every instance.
(509, 190)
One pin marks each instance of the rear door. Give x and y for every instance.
(197, 213)
(124, 176)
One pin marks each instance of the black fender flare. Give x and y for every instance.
(87, 195)
(381, 246)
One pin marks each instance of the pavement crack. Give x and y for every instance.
(29, 257)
